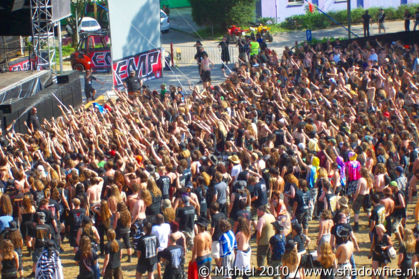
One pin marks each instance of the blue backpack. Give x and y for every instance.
(278, 247)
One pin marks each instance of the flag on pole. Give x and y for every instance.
(311, 7)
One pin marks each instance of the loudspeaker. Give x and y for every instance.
(63, 79)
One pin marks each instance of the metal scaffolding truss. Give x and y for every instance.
(43, 33)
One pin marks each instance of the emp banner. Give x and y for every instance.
(147, 65)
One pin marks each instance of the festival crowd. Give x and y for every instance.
(179, 179)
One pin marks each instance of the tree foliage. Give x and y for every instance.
(222, 13)
(78, 8)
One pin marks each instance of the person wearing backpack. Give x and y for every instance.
(277, 245)
(75, 222)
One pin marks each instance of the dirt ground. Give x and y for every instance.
(71, 270)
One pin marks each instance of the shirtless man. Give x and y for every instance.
(343, 255)
(361, 196)
(389, 204)
(387, 201)
(138, 209)
(379, 178)
(201, 251)
(132, 199)
(94, 191)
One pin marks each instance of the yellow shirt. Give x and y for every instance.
(254, 48)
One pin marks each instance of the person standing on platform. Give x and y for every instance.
(199, 56)
(89, 91)
(407, 17)
(366, 21)
(225, 53)
(416, 19)
(33, 120)
(381, 17)
(133, 85)
(206, 70)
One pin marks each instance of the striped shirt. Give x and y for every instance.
(227, 243)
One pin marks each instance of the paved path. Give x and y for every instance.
(288, 38)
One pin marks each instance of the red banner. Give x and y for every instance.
(147, 65)
(22, 64)
(101, 59)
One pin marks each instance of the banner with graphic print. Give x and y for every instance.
(135, 38)
(147, 65)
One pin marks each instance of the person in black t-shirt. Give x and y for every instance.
(199, 56)
(366, 22)
(416, 19)
(216, 217)
(381, 17)
(406, 18)
(164, 183)
(378, 214)
(185, 216)
(33, 120)
(112, 263)
(86, 258)
(300, 239)
(75, 221)
(132, 84)
(42, 233)
(300, 207)
(260, 194)
(340, 229)
(175, 258)
(50, 220)
(89, 91)
(147, 253)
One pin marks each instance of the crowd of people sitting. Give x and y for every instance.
(177, 176)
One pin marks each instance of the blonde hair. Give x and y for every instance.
(146, 197)
(290, 259)
(7, 249)
(152, 187)
(322, 173)
(326, 257)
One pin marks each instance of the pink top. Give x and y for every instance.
(353, 169)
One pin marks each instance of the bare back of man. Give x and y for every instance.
(389, 205)
(201, 252)
(343, 255)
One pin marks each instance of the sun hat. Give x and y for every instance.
(234, 159)
(343, 202)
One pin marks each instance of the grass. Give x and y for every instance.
(207, 33)
(67, 51)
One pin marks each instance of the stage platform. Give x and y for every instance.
(17, 85)
(20, 91)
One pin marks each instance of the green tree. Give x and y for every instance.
(222, 13)
(241, 13)
(78, 8)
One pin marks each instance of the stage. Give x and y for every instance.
(20, 91)
(17, 85)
